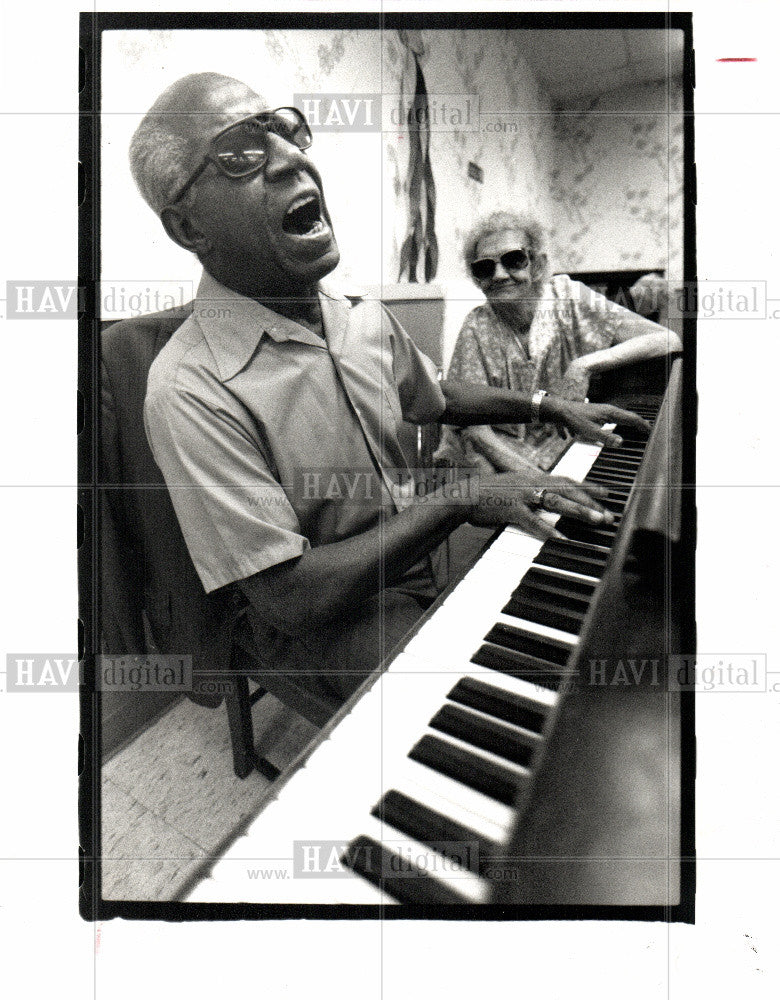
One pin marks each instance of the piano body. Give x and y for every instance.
(523, 747)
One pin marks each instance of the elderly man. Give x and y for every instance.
(276, 384)
(535, 333)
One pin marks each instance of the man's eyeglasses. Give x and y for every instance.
(242, 148)
(512, 260)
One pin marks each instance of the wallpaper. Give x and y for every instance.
(513, 146)
(617, 181)
(605, 179)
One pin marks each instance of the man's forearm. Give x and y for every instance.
(329, 580)
(469, 403)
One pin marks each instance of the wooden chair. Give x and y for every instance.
(152, 600)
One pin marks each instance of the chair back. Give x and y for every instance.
(151, 592)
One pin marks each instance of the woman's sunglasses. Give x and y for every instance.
(513, 260)
(242, 148)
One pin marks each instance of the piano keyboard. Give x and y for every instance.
(416, 785)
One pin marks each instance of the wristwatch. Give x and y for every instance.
(536, 402)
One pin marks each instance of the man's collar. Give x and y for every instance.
(234, 325)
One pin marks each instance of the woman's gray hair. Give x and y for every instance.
(500, 222)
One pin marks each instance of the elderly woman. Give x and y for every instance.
(536, 334)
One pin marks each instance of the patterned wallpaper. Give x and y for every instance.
(605, 180)
(514, 144)
(617, 181)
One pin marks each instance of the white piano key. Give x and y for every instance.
(579, 457)
(409, 701)
(206, 891)
(466, 883)
(271, 849)
(515, 542)
(344, 888)
(461, 629)
(475, 589)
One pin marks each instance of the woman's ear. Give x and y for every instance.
(184, 231)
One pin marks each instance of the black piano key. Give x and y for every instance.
(561, 598)
(399, 878)
(605, 528)
(626, 476)
(607, 479)
(485, 734)
(632, 435)
(619, 464)
(607, 531)
(544, 612)
(606, 470)
(434, 829)
(578, 531)
(645, 407)
(616, 504)
(528, 642)
(632, 438)
(573, 563)
(624, 454)
(612, 470)
(528, 668)
(580, 548)
(577, 557)
(485, 776)
(556, 583)
(648, 410)
(634, 458)
(616, 499)
(485, 697)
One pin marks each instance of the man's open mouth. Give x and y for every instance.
(304, 217)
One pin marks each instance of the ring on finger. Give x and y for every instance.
(537, 497)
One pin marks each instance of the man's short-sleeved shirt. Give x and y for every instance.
(272, 439)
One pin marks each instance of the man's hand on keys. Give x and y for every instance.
(518, 497)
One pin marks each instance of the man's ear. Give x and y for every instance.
(182, 230)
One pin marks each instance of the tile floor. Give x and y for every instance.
(170, 799)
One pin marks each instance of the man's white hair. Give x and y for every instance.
(158, 160)
(158, 150)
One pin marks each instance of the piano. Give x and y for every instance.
(523, 747)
